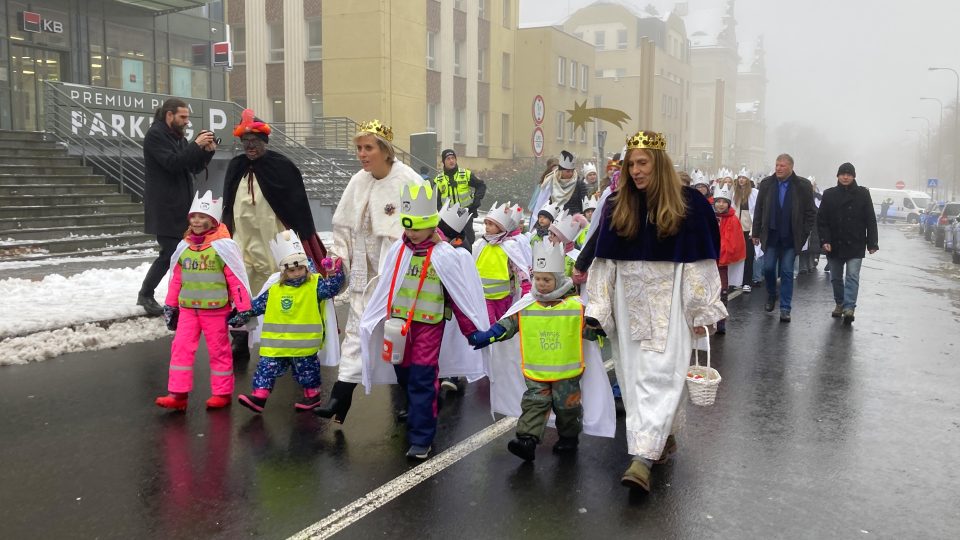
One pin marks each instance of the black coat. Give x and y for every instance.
(170, 162)
(847, 221)
(575, 204)
(803, 210)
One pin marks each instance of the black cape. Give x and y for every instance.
(698, 238)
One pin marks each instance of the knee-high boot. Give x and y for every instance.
(341, 398)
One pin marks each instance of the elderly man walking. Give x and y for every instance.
(782, 221)
(848, 228)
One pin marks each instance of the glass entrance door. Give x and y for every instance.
(29, 67)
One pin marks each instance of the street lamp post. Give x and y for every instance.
(956, 125)
(939, 132)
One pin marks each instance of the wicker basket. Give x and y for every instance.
(702, 381)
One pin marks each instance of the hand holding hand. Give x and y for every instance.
(482, 338)
(579, 278)
(170, 317)
(756, 241)
(240, 319)
(594, 325)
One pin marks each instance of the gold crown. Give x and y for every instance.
(647, 139)
(375, 127)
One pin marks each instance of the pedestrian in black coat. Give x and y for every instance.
(848, 228)
(170, 161)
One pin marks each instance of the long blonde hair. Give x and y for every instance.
(666, 206)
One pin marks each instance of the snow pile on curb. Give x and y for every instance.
(57, 302)
(87, 337)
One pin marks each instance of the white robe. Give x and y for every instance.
(460, 279)
(507, 382)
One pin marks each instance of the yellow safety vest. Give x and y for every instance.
(431, 305)
(582, 238)
(493, 265)
(293, 324)
(460, 192)
(551, 346)
(203, 285)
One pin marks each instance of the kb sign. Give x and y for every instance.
(33, 22)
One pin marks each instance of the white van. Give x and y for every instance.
(907, 205)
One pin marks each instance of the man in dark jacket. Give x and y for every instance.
(459, 185)
(170, 161)
(848, 228)
(782, 221)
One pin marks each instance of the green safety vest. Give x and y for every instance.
(293, 324)
(551, 343)
(460, 192)
(431, 305)
(203, 285)
(494, 268)
(582, 238)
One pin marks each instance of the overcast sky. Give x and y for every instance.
(852, 69)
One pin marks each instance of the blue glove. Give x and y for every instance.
(170, 317)
(482, 338)
(240, 319)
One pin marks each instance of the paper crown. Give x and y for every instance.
(697, 177)
(566, 160)
(743, 172)
(722, 191)
(548, 257)
(455, 216)
(378, 129)
(567, 226)
(207, 205)
(418, 206)
(724, 173)
(552, 209)
(287, 250)
(650, 140)
(613, 164)
(250, 124)
(506, 215)
(589, 203)
(589, 168)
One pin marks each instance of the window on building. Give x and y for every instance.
(598, 73)
(507, 14)
(482, 65)
(458, 126)
(431, 50)
(561, 123)
(572, 133)
(316, 106)
(275, 37)
(238, 41)
(505, 70)
(481, 128)
(561, 70)
(458, 4)
(663, 104)
(600, 39)
(574, 69)
(621, 39)
(457, 53)
(314, 40)
(432, 113)
(584, 75)
(505, 130)
(279, 114)
(482, 9)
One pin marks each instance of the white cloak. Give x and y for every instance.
(513, 246)
(460, 279)
(227, 249)
(507, 382)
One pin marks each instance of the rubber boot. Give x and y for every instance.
(340, 399)
(239, 349)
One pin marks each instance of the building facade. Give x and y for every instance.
(751, 113)
(121, 45)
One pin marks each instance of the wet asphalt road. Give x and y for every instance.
(819, 431)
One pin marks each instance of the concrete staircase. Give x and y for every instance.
(52, 206)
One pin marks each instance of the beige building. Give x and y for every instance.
(558, 67)
(751, 126)
(444, 66)
(642, 69)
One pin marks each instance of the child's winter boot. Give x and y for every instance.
(176, 401)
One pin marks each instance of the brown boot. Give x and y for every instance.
(837, 311)
(636, 476)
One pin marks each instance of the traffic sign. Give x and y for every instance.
(932, 183)
(539, 110)
(537, 140)
(900, 184)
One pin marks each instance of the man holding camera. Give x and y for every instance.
(170, 161)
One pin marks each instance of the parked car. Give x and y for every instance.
(928, 220)
(947, 218)
(953, 234)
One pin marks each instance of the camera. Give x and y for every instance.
(215, 138)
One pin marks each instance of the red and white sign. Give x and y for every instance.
(537, 141)
(539, 110)
(221, 54)
(34, 22)
(901, 185)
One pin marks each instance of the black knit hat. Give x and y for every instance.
(847, 168)
(446, 153)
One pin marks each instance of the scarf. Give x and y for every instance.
(564, 286)
(561, 190)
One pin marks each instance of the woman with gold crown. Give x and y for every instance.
(365, 224)
(653, 285)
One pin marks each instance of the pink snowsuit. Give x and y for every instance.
(212, 323)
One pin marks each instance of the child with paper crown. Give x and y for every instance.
(733, 248)
(555, 366)
(563, 232)
(454, 220)
(298, 323)
(502, 263)
(545, 217)
(589, 207)
(425, 282)
(206, 276)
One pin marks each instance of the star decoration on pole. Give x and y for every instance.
(580, 115)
